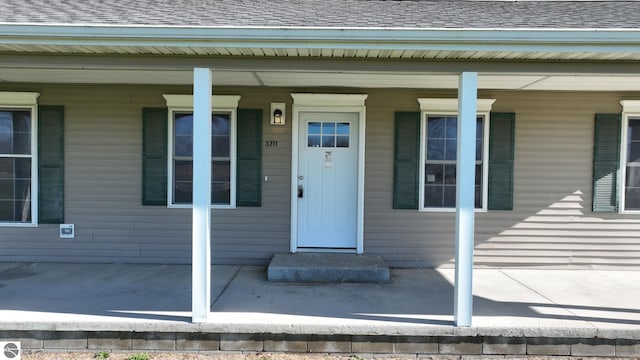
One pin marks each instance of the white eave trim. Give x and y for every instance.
(435, 105)
(9, 98)
(324, 99)
(630, 106)
(529, 40)
(217, 101)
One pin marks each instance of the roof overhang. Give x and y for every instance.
(517, 59)
(376, 43)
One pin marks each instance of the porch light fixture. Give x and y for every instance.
(277, 113)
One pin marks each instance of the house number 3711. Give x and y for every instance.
(271, 143)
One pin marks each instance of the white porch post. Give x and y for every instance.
(201, 226)
(465, 195)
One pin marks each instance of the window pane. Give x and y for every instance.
(328, 141)
(433, 196)
(633, 176)
(22, 210)
(452, 128)
(23, 168)
(183, 192)
(342, 141)
(220, 171)
(449, 196)
(6, 132)
(15, 190)
(633, 151)
(314, 128)
(183, 145)
(634, 129)
(183, 170)
(435, 149)
(313, 141)
(221, 124)
(632, 198)
(220, 193)
(183, 186)
(451, 150)
(183, 124)
(478, 202)
(479, 150)
(220, 182)
(22, 143)
(479, 128)
(220, 146)
(183, 134)
(435, 128)
(343, 129)
(328, 128)
(6, 210)
(6, 189)
(7, 168)
(434, 173)
(478, 199)
(450, 174)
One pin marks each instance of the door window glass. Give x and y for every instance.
(328, 134)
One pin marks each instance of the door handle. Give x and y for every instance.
(300, 191)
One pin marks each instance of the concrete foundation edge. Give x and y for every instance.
(45, 341)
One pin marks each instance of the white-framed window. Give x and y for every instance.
(18, 159)
(223, 150)
(630, 157)
(438, 153)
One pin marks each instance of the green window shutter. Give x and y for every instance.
(405, 160)
(249, 158)
(154, 156)
(50, 164)
(501, 157)
(606, 161)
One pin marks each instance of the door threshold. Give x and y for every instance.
(327, 250)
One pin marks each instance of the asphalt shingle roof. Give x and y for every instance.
(329, 13)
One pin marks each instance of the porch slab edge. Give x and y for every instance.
(356, 329)
(57, 341)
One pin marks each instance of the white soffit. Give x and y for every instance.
(18, 98)
(587, 83)
(116, 76)
(217, 101)
(322, 79)
(377, 80)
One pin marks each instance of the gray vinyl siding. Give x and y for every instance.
(103, 183)
(552, 223)
(553, 155)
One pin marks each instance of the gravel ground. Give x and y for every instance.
(277, 356)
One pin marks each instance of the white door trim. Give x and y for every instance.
(328, 103)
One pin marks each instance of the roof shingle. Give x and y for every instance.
(424, 14)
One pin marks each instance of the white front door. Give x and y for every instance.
(327, 182)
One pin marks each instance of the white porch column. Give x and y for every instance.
(201, 226)
(465, 195)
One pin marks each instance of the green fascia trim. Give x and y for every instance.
(529, 40)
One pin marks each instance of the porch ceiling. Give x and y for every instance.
(351, 79)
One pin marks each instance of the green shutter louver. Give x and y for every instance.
(606, 161)
(50, 164)
(154, 156)
(249, 158)
(405, 160)
(501, 158)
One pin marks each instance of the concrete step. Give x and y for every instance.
(327, 268)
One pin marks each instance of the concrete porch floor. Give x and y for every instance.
(599, 309)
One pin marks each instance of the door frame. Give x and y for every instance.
(352, 103)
